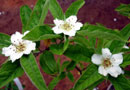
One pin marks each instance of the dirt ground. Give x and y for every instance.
(94, 11)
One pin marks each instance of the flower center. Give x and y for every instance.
(20, 48)
(106, 63)
(66, 26)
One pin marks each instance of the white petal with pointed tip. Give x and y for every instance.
(7, 51)
(97, 59)
(106, 53)
(16, 38)
(102, 71)
(115, 71)
(29, 47)
(117, 59)
(72, 19)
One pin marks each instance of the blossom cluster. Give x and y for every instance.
(108, 62)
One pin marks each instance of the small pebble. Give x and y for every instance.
(115, 19)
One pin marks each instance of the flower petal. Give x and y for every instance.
(57, 22)
(115, 71)
(126, 47)
(15, 56)
(57, 30)
(78, 25)
(25, 33)
(71, 19)
(29, 46)
(16, 38)
(106, 53)
(117, 59)
(96, 59)
(102, 71)
(7, 51)
(69, 33)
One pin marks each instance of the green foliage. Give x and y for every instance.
(70, 76)
(4, 40)
(56, 80)
(64, 65)
(95, 84)
(74, 8)
(38, 14)
(126, 60)
(82, 40)
(116, 46)
(125, 32)
(78, 53)
(40, 33)
(9, 71)
(56, 10)
(71, 66)
(89, 39)
(88, 78)
(11, 86)
(25, 13)
(120, 83)
(100, 32)
(48, 63)
(124, 9)
(31, 68)
(59, 49)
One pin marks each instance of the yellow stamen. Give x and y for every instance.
(106, 63)
(66, 26)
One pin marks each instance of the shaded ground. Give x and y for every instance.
(94, 11)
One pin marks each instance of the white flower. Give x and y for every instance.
(68, 26)
(109, 64)
(126, 47)
(18, 47)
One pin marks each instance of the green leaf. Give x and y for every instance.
(88, 78)
(116, 46)
(70, 76)
(125, 32)
(48, 63)
(25, 13)
(32, 70)
(95, 84)
(74, 8)
(92, 42)
(99, 46)
(54, 82)
(56, 10)
(100, 32)
(82, 40)
(44, 12)
(64, 65)
(40, 33)
(38, 14)
(120, 83)
(4, 40)
(124, 9)
(59, 49)
(126, 60)
(9, 71)
(78, 53)
(71, 66)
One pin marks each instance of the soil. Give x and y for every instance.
(94, 11)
